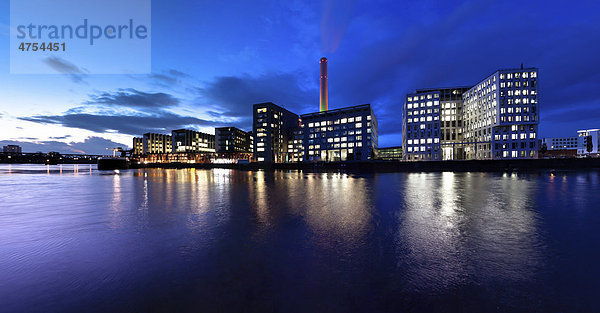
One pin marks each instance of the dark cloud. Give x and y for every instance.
(463, 46)
(91, 145)
(61, 137)
(233, 96)
(169, 77)
(63, 66)
(124, 124)
(133, 98)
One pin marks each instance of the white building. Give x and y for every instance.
(495, 119)
(588, 139)
(501, 116)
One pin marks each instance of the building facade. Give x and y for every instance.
(432, 127)
(501, 116)
(186, 140)
(565, 143)
(232, 139)
(588, 142)
(340, 135)
(273, 128)
(390, 153)
(153, 143)
(138, 145)
(13, 149)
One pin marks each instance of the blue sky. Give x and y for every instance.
(211, 60)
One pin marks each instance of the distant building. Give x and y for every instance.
(185, 140)
(501, 116)
(251, 137)
(565, 143)
(13, 149)
(232, 140)
(390, 153)
(156, 143)
(432, 127)
(338, 135)
(588, 142)
(138, 145)
(273, 127)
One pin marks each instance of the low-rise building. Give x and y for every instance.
(390, 153)
(588, 142)
(563, 143)
(12, 149)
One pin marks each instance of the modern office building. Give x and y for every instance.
(273, 127)
(186, 140)
(295, 148)
(501, 116)
(232, 140)
(153, 143)
(339, 135)
(495, 119)
(565, 143)
(390, 153)
(138, 145)
(432, 126)
(12, 149)
(588, 142)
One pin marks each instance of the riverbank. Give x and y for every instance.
(400, 166)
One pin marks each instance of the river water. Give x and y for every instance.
(76, 239)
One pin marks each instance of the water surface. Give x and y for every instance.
(76, 239)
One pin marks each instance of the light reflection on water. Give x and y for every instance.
(72, 238)
(458, 225)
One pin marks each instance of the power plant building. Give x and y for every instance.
(323, 93)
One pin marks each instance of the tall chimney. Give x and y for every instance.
(323, 99)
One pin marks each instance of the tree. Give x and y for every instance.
(590, 144)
